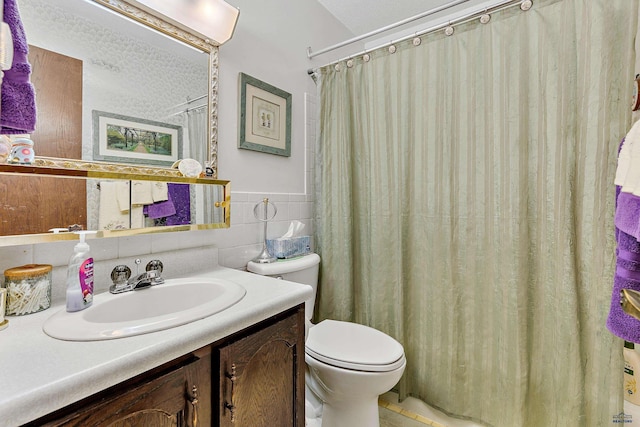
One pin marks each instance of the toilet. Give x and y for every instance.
(348, 365)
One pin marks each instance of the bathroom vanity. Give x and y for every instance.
(243, 366)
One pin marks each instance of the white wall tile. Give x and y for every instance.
(294, 210)
(134, 245)
(306, 210)
(56, 254)
(237, 212)
(251, 234)
(226, 237)
(249, 214)
(171, 241)
(15, 256)
(256, 197)
(283, 212)
(102, 248)
(238, 257)
(239, 197)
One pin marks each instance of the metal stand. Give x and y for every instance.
(265, 257)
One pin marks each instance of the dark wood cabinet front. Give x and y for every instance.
(262, 377)
(178, 396)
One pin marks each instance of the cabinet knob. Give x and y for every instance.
(231, 405)
(194, 406)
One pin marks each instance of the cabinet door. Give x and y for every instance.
(262, 376)
(179, 397)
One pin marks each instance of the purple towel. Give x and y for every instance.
(160, 209)
(18, 111)
(627, 275)
(628, 214)
(180, 195)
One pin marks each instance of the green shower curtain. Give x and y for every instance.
(466, 208)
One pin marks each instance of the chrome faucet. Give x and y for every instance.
(123, 282)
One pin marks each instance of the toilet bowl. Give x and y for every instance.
(348, 365)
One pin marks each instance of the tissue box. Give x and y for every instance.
(289, 247)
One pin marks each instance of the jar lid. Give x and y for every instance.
(28, 270)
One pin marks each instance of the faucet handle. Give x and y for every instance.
(155, 265)
(120, 274)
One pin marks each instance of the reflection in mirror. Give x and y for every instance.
(138, 204)
(38, 204)
(155, 204)
(94, 59)
(120, 67)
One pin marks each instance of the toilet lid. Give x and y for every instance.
(353, 346)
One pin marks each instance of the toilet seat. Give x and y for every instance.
(353, 346)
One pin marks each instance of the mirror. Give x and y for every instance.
(150, 206)
(134, 68)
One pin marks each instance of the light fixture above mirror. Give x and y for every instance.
(212, 19)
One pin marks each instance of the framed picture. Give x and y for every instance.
(265, 117)
(119, 138)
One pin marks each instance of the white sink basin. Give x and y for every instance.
(174, 303)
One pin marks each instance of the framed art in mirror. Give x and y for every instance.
(265, 117)
(119, 138)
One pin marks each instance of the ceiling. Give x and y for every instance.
(363, 16)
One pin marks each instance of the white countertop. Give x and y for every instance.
(40, 374)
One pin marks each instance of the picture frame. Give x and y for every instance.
(265, 117)
(124, 139)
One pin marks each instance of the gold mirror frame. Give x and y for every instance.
(71, 168)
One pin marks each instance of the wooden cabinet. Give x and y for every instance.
(261, 376)
(253, 378)
(177, 394)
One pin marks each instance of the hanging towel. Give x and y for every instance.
(141, 193)
(628, 170)
(111, 214)
(627, 218)
(18, 110)
(160, 209)
(159, 191)
(179, 194)
(627, 274)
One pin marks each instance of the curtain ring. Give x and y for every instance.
(366, 57)
(416, 41)
(349, 63)
(392, 49)
(526, 5)
(485, 18)
(449, 30)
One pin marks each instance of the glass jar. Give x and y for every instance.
(28, 288)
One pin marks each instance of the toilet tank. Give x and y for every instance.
(303, 270)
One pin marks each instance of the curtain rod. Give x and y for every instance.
(190, 100)
(383, 29)
(524, 5)
(186, 110)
